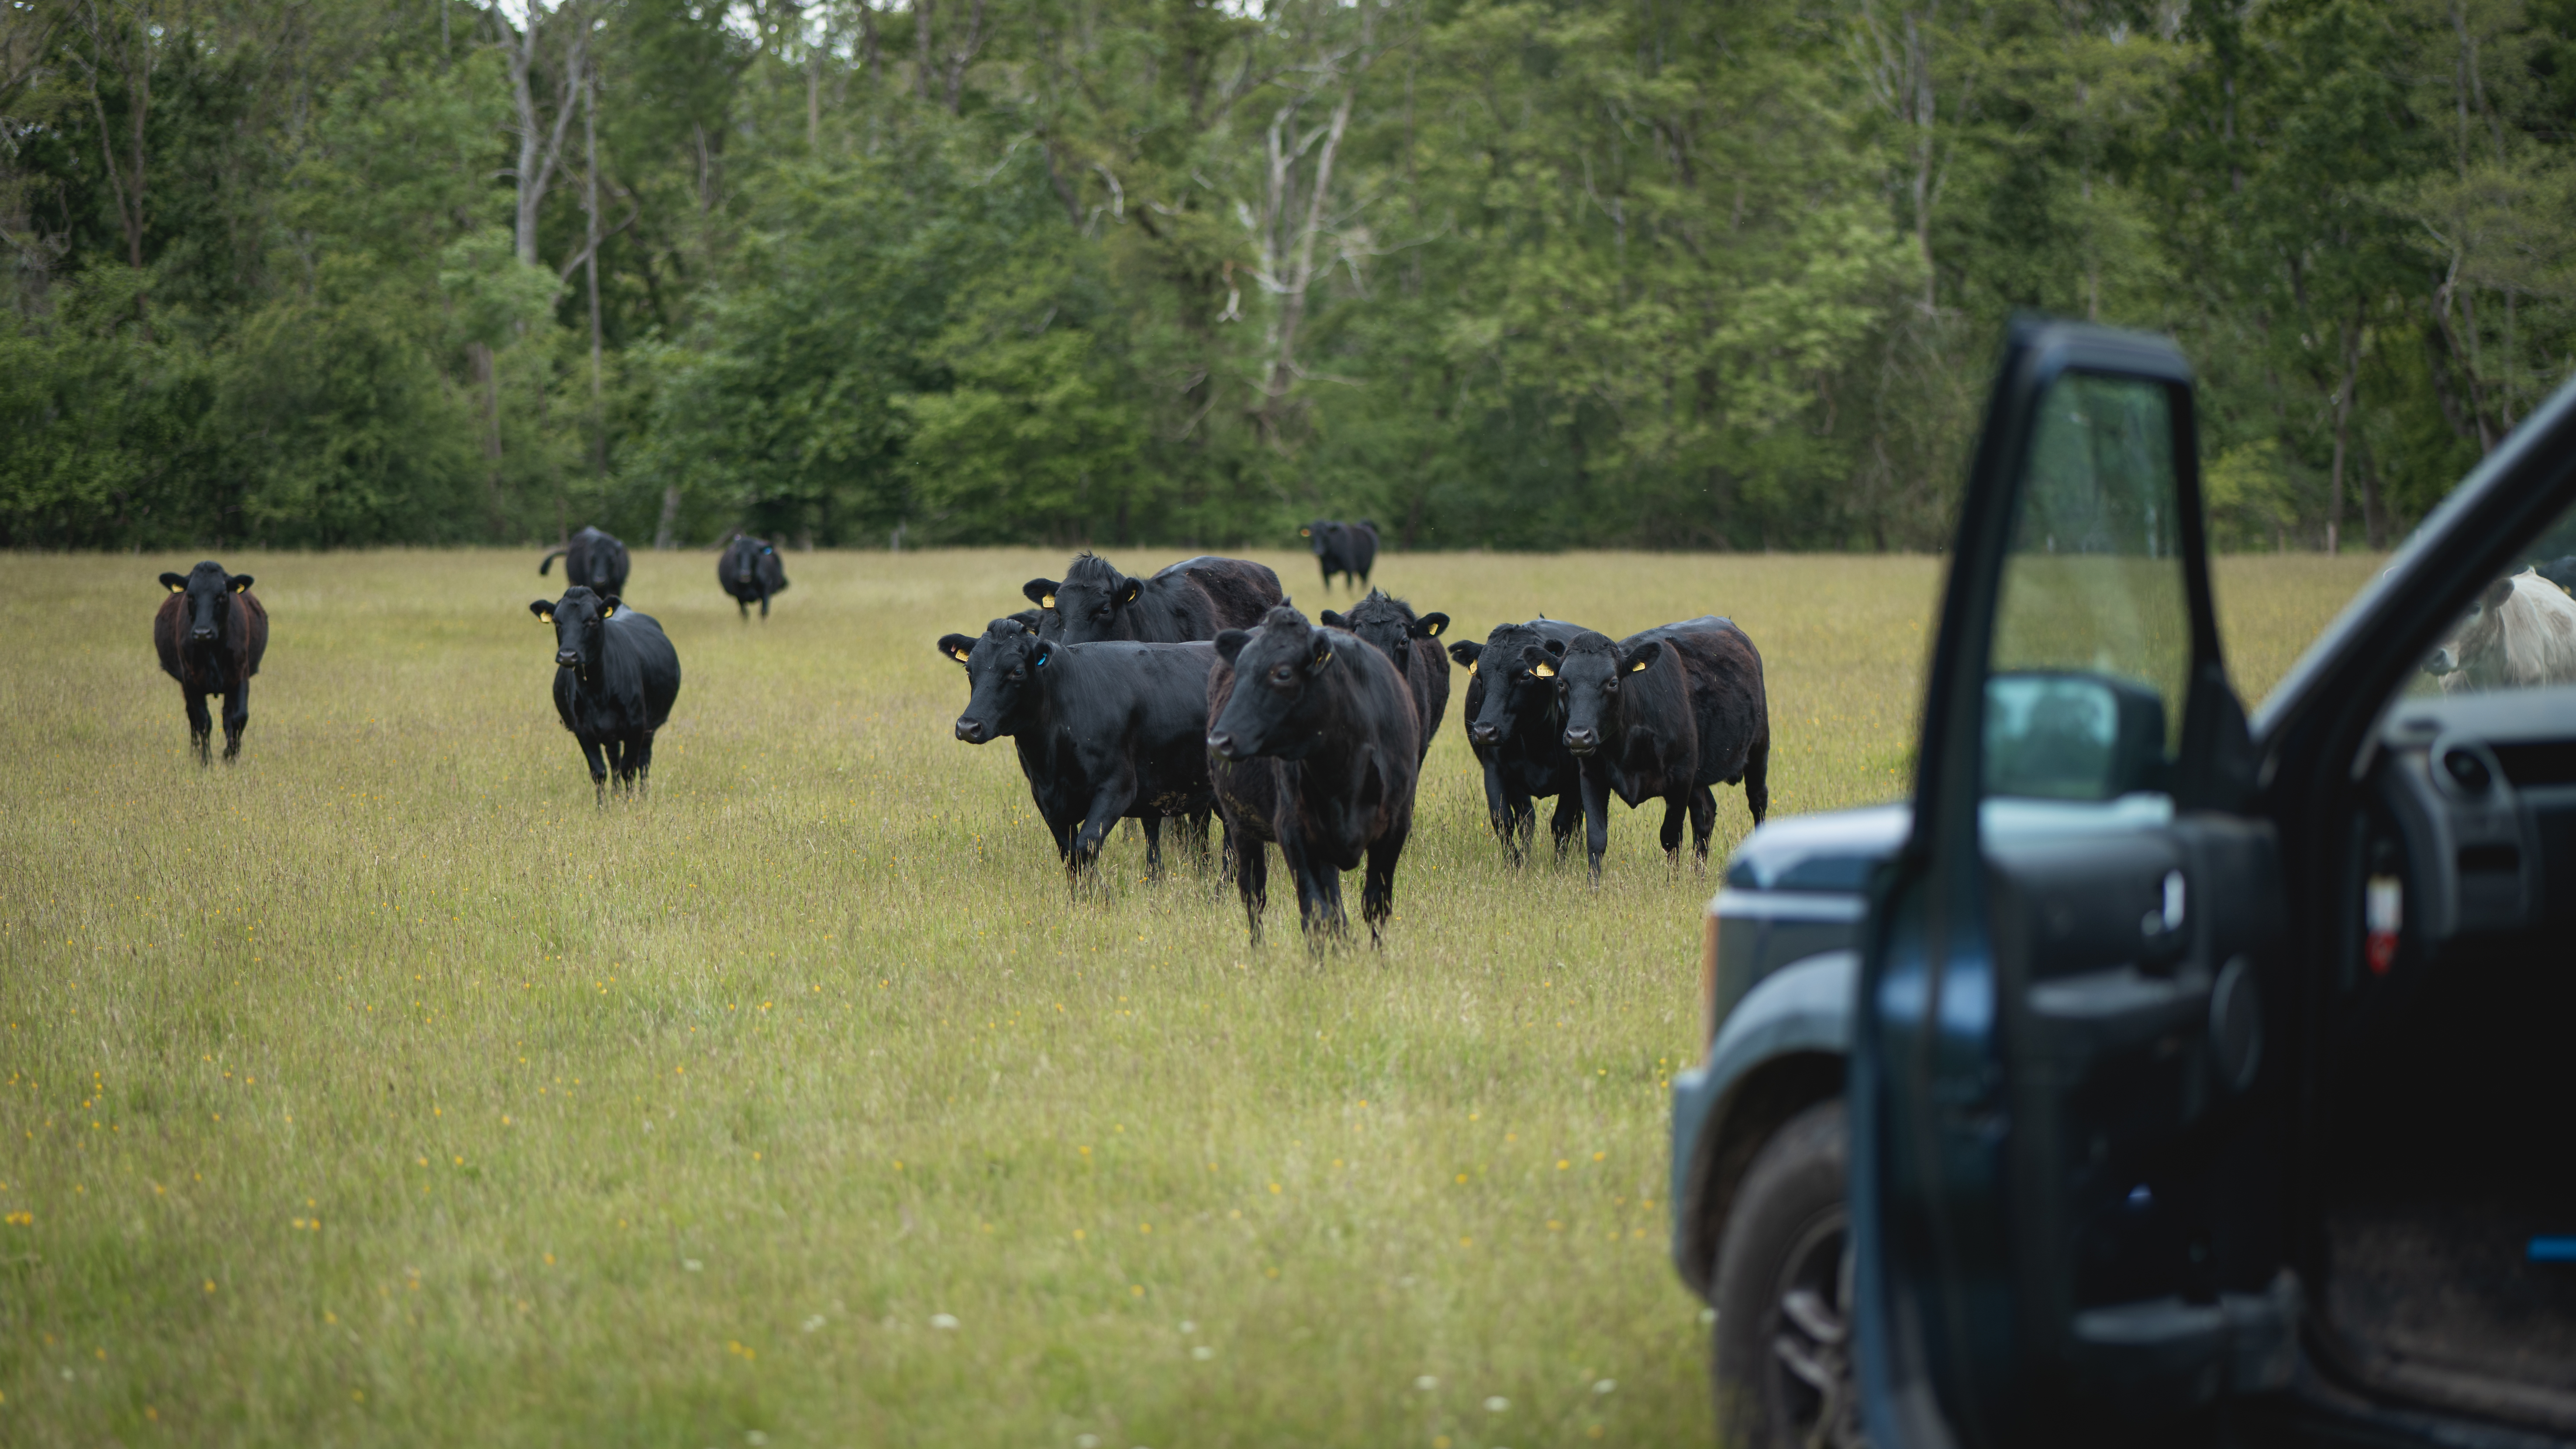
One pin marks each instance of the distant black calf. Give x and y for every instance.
(751, 570)
(1665, 714)
(592, 559)
(1516, 726)
(1389, 626)
(1348, 549)
(1192, 599)
(1104, 731)
(1314, 748)
(210, 634)
(615, 677)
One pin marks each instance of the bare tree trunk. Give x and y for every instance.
(958, 58)
(541, 143)
(1301, 271)
(127, 38)
(1925, 96)
(662, 538)
(590, 265)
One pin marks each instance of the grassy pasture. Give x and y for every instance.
(381, 1089)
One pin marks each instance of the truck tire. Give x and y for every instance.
(1781, 1355)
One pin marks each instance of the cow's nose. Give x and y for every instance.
(2440, 663)
(971, 731)
(1483, 733)
(566, 658)
(201, 632)
(1221, 743)
(1582, 742)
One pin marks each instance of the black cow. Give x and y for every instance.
(1192, 599)
(1105, 732)
(1389, 626)
(1314, 748)
(594, 560)
(210, 633)
(751, 570)
(1347, 549)
(1665, 714)
(615, 677)
(1516, 726)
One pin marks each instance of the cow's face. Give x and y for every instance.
(1388, 626)
(205, 617)
(580, 619)
(1092, 600)
(1318, 536)
(2474, 656)
(744, 560)
(1275, 670)
(1519, 670)
(1588, 679)
(1001, 668)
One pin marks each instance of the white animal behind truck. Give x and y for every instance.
(2520, 634)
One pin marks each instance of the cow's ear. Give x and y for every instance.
(1555, 647)
(1465, 652)
(1040, 592)
(1319, 649)
(2496, 594)
(175, 583)
(956, 646)
(1332, 620)
(1044, 656)
(609, 606)
(1129, 590)
(1639, 657)
(239, 582)
(1305, 533)
(544, 609)
(1429, 626)
(1231, 642)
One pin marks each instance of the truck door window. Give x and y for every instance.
(2092, 643)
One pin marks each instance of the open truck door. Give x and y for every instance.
(2068, 1104)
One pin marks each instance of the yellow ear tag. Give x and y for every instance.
(608, 613)
(1327, 659)
(178, 588)
(1047, 603)
(1633, 668)
(1471, 666)
(546, 618)
(1434, 631)
(1544, 672)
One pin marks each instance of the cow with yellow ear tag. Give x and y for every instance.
(1666, 714)
(210, 633)
(1516, 729)
(1390, 626)
(616, 676)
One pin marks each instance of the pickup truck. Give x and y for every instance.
(2158, 1074)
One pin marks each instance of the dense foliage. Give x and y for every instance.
(1507, 273)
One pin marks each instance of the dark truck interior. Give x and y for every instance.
(2450, 1064)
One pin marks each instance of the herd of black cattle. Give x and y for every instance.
(1199, 692)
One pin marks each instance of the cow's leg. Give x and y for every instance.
(1596, 821)
(236, 718)
(764, 601)
(1703, 818)
(1154, 847)
(742, 607)
(598, 758)
(1497, 808)
(1377, 894)
(1569, 814)
(1677, 808)
(639, 754)
(1251, 874)
(1108, 803)
(201, 725)
(1757, 779)
(1194, 829)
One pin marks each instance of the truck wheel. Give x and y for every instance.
(1782, 1356)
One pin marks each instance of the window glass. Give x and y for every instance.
(2092, 644)
(2520, 632)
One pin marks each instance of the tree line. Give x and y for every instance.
(1494, 273)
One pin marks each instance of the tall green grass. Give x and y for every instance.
(382, 1089)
